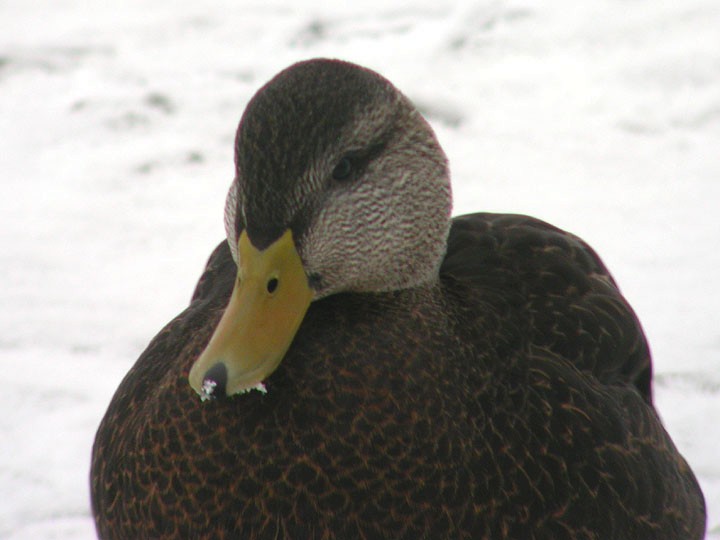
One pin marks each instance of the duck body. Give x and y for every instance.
(507, 396)
(443, 412)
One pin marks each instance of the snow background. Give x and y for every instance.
(117, 121)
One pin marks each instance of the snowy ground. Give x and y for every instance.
(117, 121)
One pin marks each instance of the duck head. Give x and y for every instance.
(340, 185)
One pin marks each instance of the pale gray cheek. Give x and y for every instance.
(332, 250)
(229, 218)
(353, 247)
(381, 236)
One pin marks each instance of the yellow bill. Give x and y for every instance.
(268, 303)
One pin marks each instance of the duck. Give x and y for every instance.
(357, 363)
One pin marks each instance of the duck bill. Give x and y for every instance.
(268, 303)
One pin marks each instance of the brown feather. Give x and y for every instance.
(509, 400)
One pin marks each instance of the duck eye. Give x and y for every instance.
(343, 170)
(272, 285)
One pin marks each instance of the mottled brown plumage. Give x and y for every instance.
(508, 398)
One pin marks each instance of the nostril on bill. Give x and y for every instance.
(215, 382)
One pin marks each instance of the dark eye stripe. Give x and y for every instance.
(352, 164)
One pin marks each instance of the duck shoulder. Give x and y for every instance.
(570, 304)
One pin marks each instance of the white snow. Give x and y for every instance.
(117, 122)
(208, 388)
